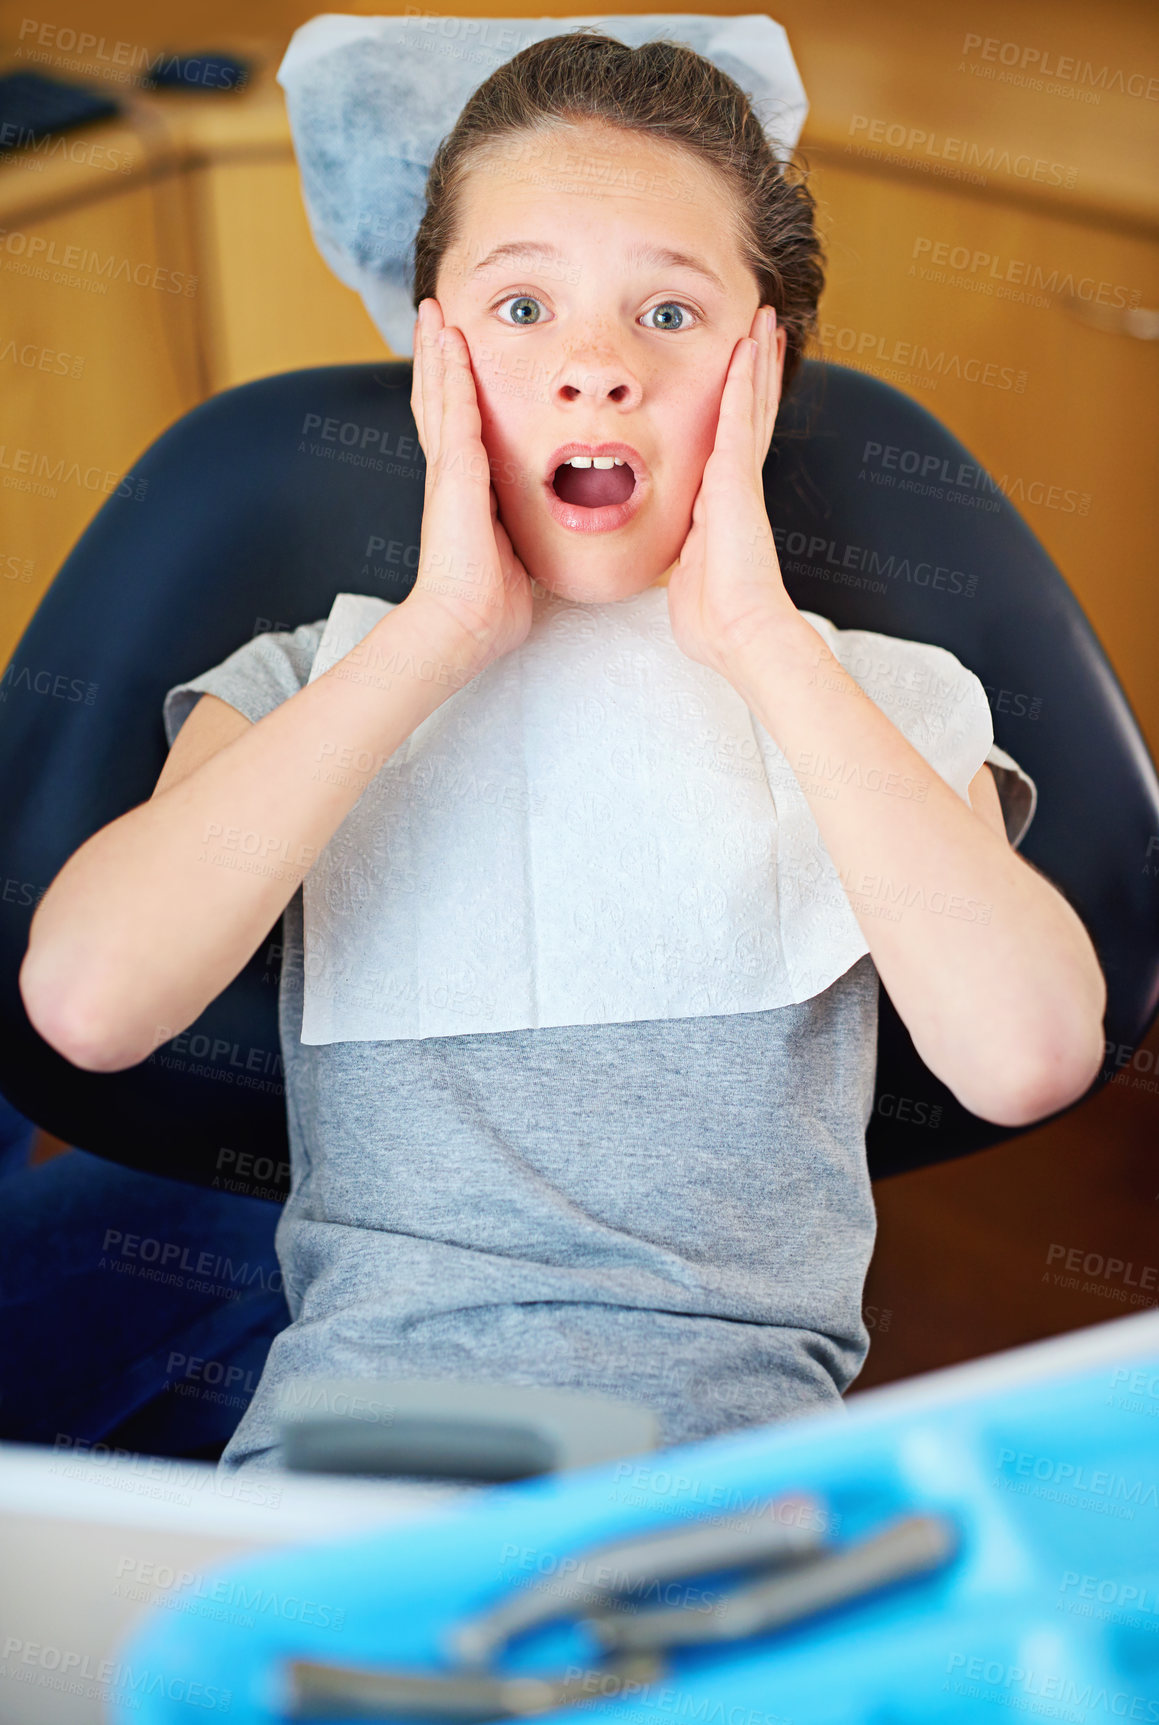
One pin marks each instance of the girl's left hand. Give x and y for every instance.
(726, 584)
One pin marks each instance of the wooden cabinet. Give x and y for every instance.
(95, 361)
(132, 292)
(965, 304)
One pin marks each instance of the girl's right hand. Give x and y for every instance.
(466, 563)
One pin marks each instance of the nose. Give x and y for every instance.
(594, 381)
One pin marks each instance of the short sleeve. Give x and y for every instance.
(940, 706)
(257, 677)
(1017, 793)
(934, 700)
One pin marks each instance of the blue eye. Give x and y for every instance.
(521, 299)
(526, 301)
(667, 306)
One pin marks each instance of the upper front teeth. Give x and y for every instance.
(593, 461)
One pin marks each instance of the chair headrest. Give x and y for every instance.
(370, 100)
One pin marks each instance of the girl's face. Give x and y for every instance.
(601, 334)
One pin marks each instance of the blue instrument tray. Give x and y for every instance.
(1045, 1460)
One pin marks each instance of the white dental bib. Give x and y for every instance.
(597, 829)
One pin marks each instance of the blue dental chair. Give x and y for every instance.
(250, 513)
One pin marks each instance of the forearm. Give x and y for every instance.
(989, 967)
(160, 910)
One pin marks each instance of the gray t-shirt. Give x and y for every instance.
(671, 1211)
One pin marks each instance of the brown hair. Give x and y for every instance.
(668, 92)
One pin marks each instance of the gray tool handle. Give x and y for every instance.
(786, 1529)
(807, 1584)
(443, 1429)
(330, 1692)
(909, 1547)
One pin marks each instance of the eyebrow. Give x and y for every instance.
(662, 256)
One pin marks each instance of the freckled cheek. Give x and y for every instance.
(504, 398)
(503, 428)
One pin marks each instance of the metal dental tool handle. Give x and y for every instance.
(319, 1691)
(908, 1547)
(786, 1530)
(803, 1582)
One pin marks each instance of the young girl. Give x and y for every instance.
(671, 1209)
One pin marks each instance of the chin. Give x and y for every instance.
(594, 587)
(585, 574)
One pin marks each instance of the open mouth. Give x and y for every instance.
(593, 487)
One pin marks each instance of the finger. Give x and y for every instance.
(416, 376)
(776, 371)
(437, 376)
(781, 349)
(416, 382)
(427, 387)
(462, 421)
(438, 353)
(763, 406)
(769, 399)
(760, 387)
(760, 390)
(734, 426)
(760, 381)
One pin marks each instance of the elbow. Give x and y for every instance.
(74, 1029)
(1046, 1082)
